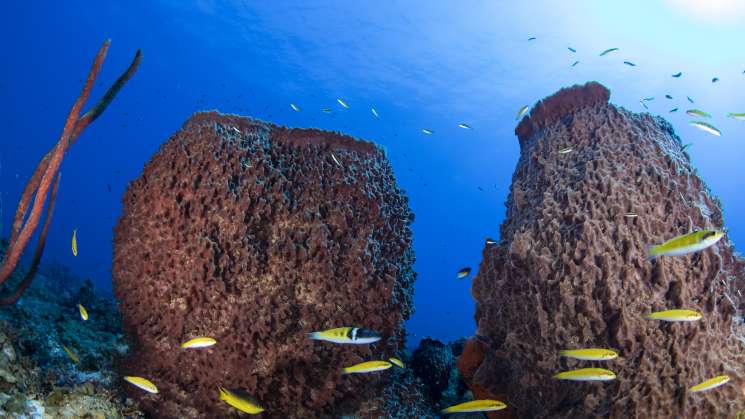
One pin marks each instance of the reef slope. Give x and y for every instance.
(570, 271)
(255, 235)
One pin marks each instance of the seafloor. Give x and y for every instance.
(38, 379)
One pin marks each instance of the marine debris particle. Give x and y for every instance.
(275, 249)
(538, 290)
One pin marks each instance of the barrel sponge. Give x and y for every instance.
(570, 271)
(255, 235)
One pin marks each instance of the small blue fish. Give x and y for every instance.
(668, 97)
(572, 49)
(715, 79)
(673, 110)
(678, 74)
(629, 63)
(532, 38)
(575, 63)
(607, 51)
(689, 99)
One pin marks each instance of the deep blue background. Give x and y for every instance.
(421, 64)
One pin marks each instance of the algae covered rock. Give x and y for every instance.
(570, 271)
(255, 235)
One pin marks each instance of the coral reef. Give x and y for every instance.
(256, 234)
(435, 364)
(429, 383)
(570, 271)
(37, 378)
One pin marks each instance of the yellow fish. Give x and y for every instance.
(464, 272)
(475, 406)
(590, 354)
(75, 242)
(71, 354)
(142, 383)
(365, 367)
(711, 129)
(521, 112)
(355, 335)
(240, 401)
(587, 374)
(200, 342)
(676, 315)
(83, 312)
(686, 243)
(709, 384)
(397, 362)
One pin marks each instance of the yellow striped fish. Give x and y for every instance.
(475, 406)
(71, 354)
(240, 400)
(590, 354)
(686, 243)
(354, 335)
(587, 374)
(397, 362)
(83, 312)
(703, 126)
(676, 315)
(740, 116)
(75, 242)
(365, 367)
(709, 384)
(200, 342)
(142, 383)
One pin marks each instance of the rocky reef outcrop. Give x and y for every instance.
(570, 271)
(257, 234)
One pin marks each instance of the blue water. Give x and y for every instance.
(421, 64)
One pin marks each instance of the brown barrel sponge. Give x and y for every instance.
(255, 235)
(570, 271)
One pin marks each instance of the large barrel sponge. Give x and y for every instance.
(570, 271)
(256, 235)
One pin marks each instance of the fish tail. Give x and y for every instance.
(314, 335)
(223, 393)
(563, 353)
(345, 371)
(448, 410)
(651, 252)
